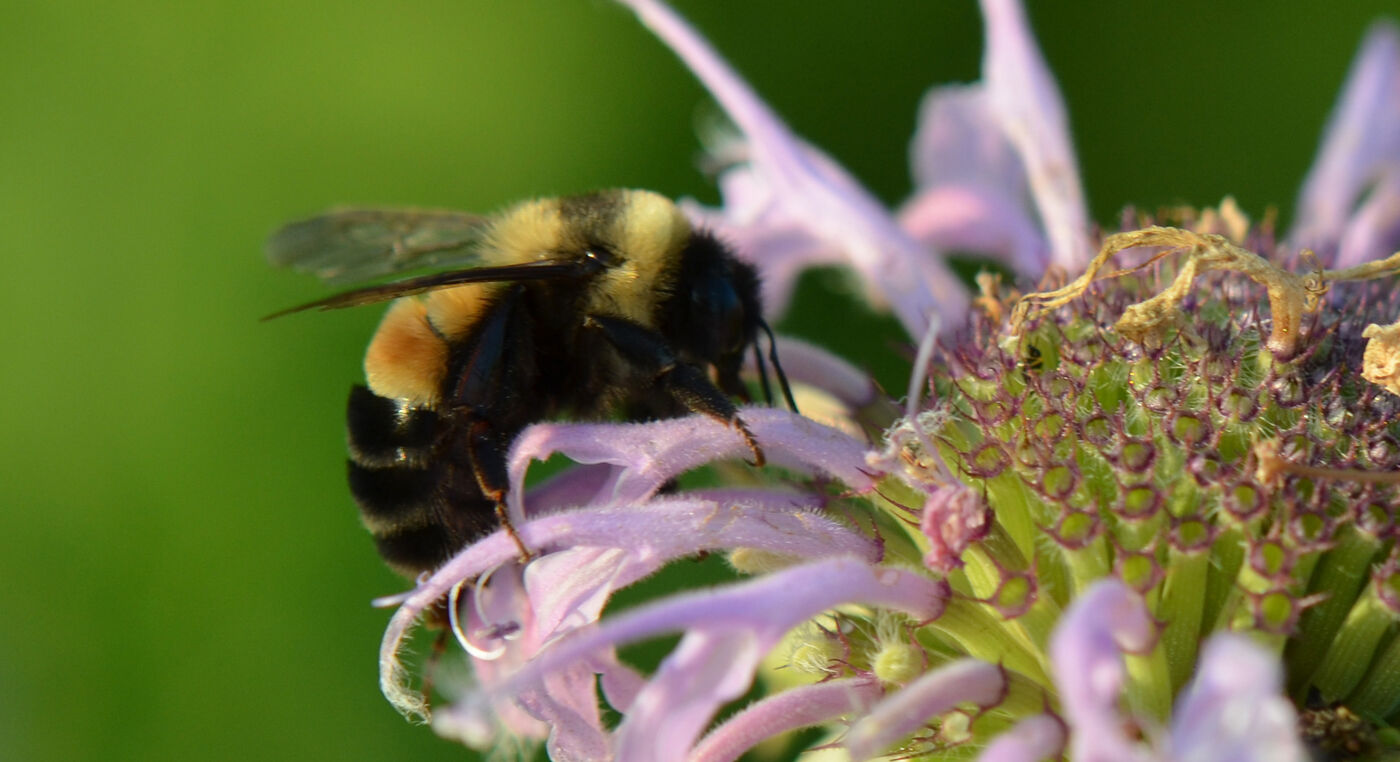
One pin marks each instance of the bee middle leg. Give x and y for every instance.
(488, 458)
(684, 383)
(483, 369)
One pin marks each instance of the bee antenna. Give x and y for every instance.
(762, 374)
(777, 367)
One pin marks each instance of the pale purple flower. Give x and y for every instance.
(1006, 572)
(727, 633)
(800, 208)
(587, 554)
(1088, 650)
(967, 176)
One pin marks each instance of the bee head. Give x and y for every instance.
(716, 312)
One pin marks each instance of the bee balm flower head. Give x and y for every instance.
(1140, 505)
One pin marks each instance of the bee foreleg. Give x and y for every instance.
(685, 383)
(690, 387)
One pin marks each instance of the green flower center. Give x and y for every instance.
(1197, 425)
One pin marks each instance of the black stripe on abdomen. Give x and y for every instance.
(411, 476)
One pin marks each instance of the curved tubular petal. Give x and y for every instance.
(650, 454)
(728, 631)
(1373, 231)
(1234, 708)
(1030, 740)
(1362, 135)
(959, 142)
(970, 183)
(569, 591)
(1087, 653)
(800, 707)
(932, 694)
(1023, 93)
(965, 219)
(815, 191)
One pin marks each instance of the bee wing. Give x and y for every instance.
(350, 245)
(542, 269)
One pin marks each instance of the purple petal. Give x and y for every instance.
(617, 547)
(567, 591)
(1234, 710)
(650, 454)
(471, 722)
(1362, 135)
(979, 147)
(800, 707)
(769, 605)
(1087, 653)
(728, 631)
(569, 488)
(970, 184)
(620, 682)
(1374, 231)
(1030, 740)
(568, 704)
(932, 694)
(814, 191)
(959, 141)
(967, 219)
(562, 708)
(807, 363)
(707, 669)
(502, 596)
(1022, 93)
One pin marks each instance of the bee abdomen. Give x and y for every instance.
(420, 517)
(421, 504)
(384, 433)
(394, 496)
(413, 550)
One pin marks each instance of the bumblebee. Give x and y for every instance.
(610, 303)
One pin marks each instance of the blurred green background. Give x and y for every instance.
(185, 576)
